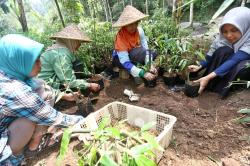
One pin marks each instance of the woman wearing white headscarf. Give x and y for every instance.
(229, 53)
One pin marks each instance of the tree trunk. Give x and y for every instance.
(163, 4)
(105, 10)
(174, 9)
(59, 12)
(146, 4)
(191, 16)
(131, 2)
(22, 17)
(243, 2)
(110, 12)
(123, 3)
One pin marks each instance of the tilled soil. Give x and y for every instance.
(205, 131)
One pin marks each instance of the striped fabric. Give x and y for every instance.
(18, 100)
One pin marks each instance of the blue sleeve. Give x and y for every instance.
(204, 63)
(143, 39)
(231, 62)
(128, 65)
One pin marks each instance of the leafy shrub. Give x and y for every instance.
(159, 28)
(180, 54)
(98, 52)
(43, 37)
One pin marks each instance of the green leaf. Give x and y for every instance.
(104, 122)
(148, 126)
(140, 149)
(80, 162)
(92, 155)
(142, 160)
(59, 96)
(64, 145)
(107, 161)
(152, 141)
(244, 120)
(222, 8)
(115, 132)
(244, 111)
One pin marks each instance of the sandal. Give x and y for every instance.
(43, 145)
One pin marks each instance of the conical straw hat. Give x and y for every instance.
(128, 16)
(71, 32)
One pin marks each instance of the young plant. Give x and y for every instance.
(111, 145)
(245, 119)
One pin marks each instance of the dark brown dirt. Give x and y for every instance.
(205, 131)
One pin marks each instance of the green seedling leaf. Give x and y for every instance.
(104, 123)
(140, 149)
(64, 145)
(148, 126)
(151, 141)
(245, 138)
(244, 111)
(107, 161)
(115, 132)
(142, 160)
(93, 155)
(244, 120)
(59, 96)
(80, 162)
(212, 159)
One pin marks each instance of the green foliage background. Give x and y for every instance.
(91, 17)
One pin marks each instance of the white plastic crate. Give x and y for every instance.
(136, 116)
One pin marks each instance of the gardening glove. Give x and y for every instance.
(149, 76)
(194, 68)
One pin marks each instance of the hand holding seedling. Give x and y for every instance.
(194, 68)
(153, 70)
(94, 87)
(70, 96)
(149, 76)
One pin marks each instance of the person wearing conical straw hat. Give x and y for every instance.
(59, 62)
(131, 46)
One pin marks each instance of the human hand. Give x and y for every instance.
(194, 68)
(153, 70)
(94, 87)
(203, 83)
(149, 76)
(70, 96)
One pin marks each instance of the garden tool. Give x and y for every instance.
(131, 95)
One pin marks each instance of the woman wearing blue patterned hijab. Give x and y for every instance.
(22, 110)
(18, 56)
